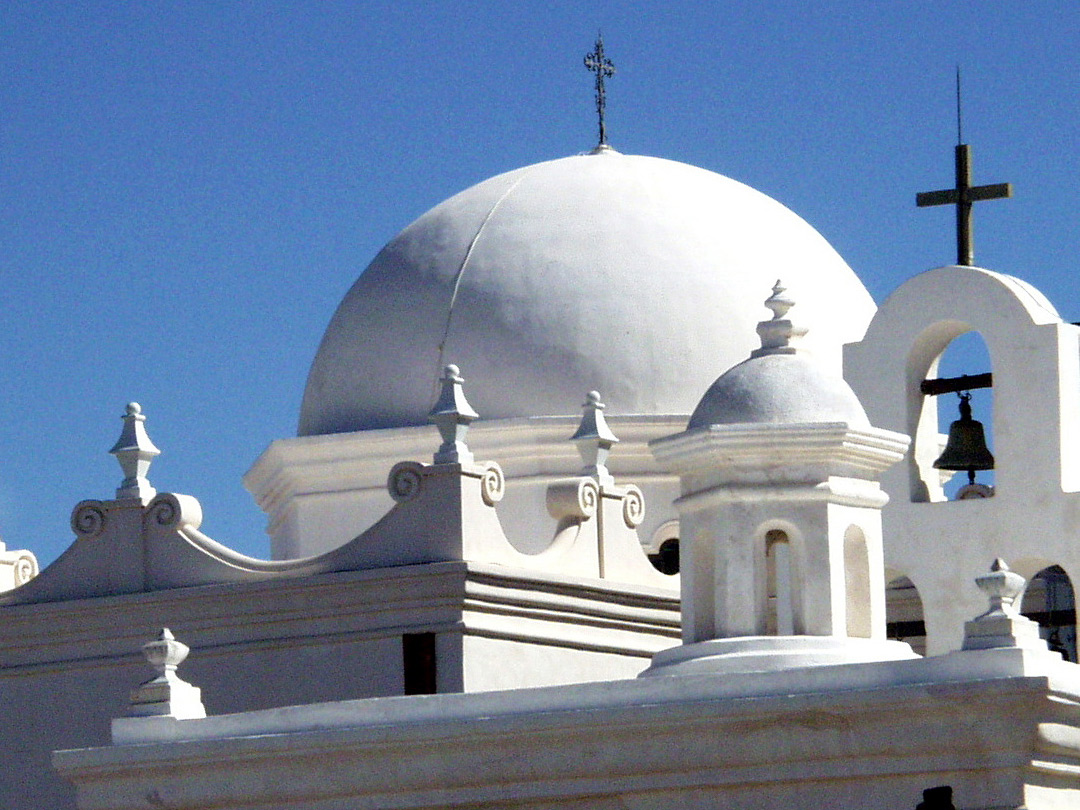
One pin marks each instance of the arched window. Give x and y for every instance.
(1049, 600)
(779, 606)
(904, 613)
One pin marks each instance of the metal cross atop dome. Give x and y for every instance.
(602, 67)
(964, 194)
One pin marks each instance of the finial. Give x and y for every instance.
(594, 439)
(778, 333)
(167, 694)
(1001, 625)
(1001, 587)
(134, 451)
(452, 414)
(603, 67)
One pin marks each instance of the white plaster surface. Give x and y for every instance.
(998, 725)
(1033, 519)
(321, 491)
(636, 276)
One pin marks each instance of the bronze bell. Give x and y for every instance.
(966, 448)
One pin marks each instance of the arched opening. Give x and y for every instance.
(1050, 601)
(904, 612)
(959, 374)
(857, 583)
(663, 548)
(779, 602)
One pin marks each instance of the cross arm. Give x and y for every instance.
(995, 192)
(949, 196)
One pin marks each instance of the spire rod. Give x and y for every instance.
(959, 111)
(603, 67)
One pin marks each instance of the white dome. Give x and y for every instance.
(788, 388)
(639, 277)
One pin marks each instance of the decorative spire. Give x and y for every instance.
(594, 439)
(603, 67)
(167, 694)
(778, 333)
(134, 451)
(452, 414)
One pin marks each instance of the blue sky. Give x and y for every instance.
(190, 188)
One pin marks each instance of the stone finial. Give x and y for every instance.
(594, 439)
(778, 333)
(1002, 625)
(452, 414)
(134, 451)
(166, 695)
(1002, 587)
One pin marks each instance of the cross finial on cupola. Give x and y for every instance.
(598, 63)
(594, 439)
(778, 333)
(452, 415)
(134, 451)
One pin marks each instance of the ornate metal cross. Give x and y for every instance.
(602, 67)
(962, 197)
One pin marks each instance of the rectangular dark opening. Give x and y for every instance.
(419, 663)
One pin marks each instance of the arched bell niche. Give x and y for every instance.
(1049, 599)
(904, 620)
(961, 370)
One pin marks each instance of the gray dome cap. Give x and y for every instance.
(778, 383)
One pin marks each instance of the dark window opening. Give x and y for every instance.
(1049, 601)
(419, 663)
(904, 614)
(666, 559)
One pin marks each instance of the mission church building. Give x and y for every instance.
(612, 489)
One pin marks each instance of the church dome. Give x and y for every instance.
(636, 276)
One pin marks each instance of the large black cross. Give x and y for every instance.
(602, 67)
(962, 197)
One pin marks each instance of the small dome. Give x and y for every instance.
(780, 382)
(789, 388)
(636, 276)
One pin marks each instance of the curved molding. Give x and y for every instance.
(88, 519)
(633, 506)
(492, 483)
(575, 498)
(405, 480)
(170, 510)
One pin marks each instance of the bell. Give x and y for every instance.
(966, 448)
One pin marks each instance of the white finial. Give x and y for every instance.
(452, 414)
(778, 333)
(167, 694)
(594, 439)
(1001, 625)
(1001, 587)
(134, 451)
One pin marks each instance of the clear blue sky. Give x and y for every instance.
(189, 188)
